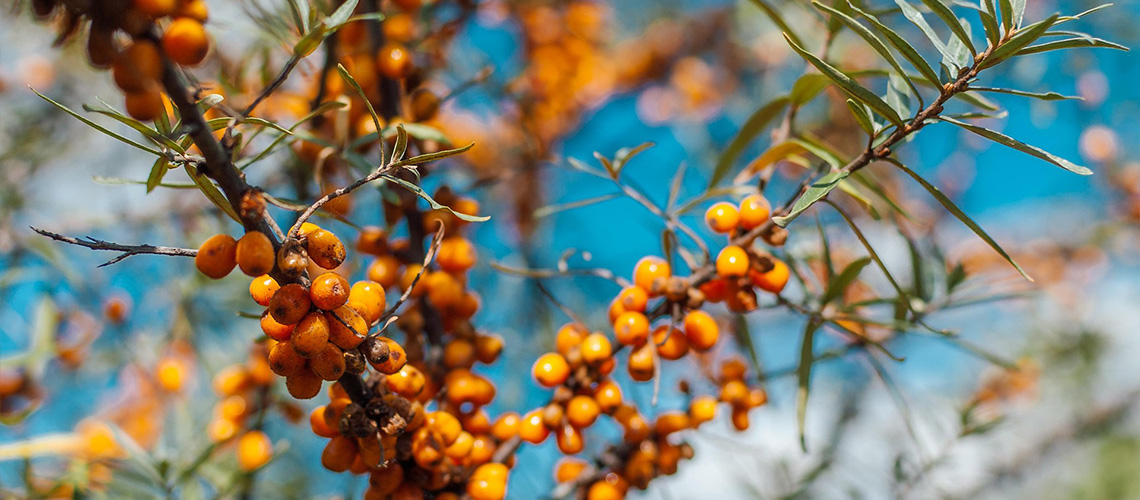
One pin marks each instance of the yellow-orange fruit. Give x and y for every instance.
(754, 211)
(506, 426)
(339, 454)
(631, 328)
(311, 335)
(732, 262)
(290, 304)
(284, 360)
(397, 357)
(550, 369)
(702, 409)
(145, 105)
(650, 270)
(671, 343)
(262, 289)
(304, 384)
(569, 337)
(722, 217)
(139, 66)
(329, 291)
(582, 411)
(325, 249)
(275, 330)
(772, 281)
(602, 490)
(641, 363)
(255, 255)
(385, 270)
(701, 330)
(372, 240)
(568, 469)
(408, 382)
(608, 396)
(596, 348)
(254, 450)
(532, 429)
(459, 353)
(740, 419)
(185, 41)
(328, 362)
(394, 61)
(155, 8)
(319, 426)
(570, 440)
(670, 422)
(193, 9)
(346, 337)
(488, 482)
(217, 256)
(368, 300)
(456, 254)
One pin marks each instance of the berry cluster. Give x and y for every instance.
(740, 268)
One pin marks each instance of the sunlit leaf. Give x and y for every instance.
(1006, 140)
(845, 83)
(751, 128)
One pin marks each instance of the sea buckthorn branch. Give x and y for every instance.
(127, 250)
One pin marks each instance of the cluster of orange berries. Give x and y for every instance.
(740, 268)
(137, 66)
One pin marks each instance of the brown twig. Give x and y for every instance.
(127, 250)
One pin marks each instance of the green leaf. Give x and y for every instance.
(989, 22)
(119, 181)
(957, 212)
(867, 36)
(157, 172)
(1018, 10)
(1065, 19)
(778, 19)
(140, 127)
(623, 155)
(98, 127)
(803, 376)
(434, 204)
(430, 157)
(951, 21)
(961, 54)
(817, 191)
(344, 74)
(212, 193)
(401, 145)
(1020, 146)
(1006, 9)
(845, 83)
(837, 286)
(900, 44)
(915, 17)
(1019, 41)
(862, 116)
(562, 207)
(751, 128)
(1070, 43)
(341, 14)
(1044, 96)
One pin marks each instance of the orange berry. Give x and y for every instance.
(193, 9)
(290, 304)
(275, 330)
(506, 426)
(648, 271)
(582, 411)
(570, 440)
(568, 469)
(632, 328)
(394, 61)
(459, 353)
(284, 360)
(608, 396)
(255, 254)
(329, 291)
(304, 384)
(596, 348)
(532, 429)
(311, 335)
(551, 369)
(138, 67)
(722, 217)
(569, 337)
(733, 369)
(231, 380)
(716, 290)
(602, 490)
(372, 240)
(221, 429)
(171, 374)
(702, 409)
(368, 300)
(641, 363)
(633, 298)
(217, 256)
(670, 422)
(636, 429)
(732, 262)
(185, 41)
(397, 357)
(346, 337)
(254, 450)
(155, 8)
(757, 397)
(456, 255)
(488, 482)
(754, 211)
(408, 382)
(409, 278)
(445, 425)
(488, 348)
(262, 289)
(701, 330)
(385, 270)
(319, 426)
(328, 363)
(671, 343)
(736, 393)
(772, 281)
(740, 419)
(325, 249)
(339, 454)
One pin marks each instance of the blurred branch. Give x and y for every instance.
(127, 250)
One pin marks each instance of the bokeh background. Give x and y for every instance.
(1074, 434)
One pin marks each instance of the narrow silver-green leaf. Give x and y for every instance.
(1044, 96)
(915, 17)
(837, 286)
(862, 116)
(1006, 9)
(989, 22)
(777, 18)
(157, 172)
(957, 212)
(803, 376)
(849, 86)
(817, 191)
(98, 127)
(431, 201)
(900, 44)
(1020, 40)
(1006, 140)
(1070, 43)
(751, 128)
(869, 37)
(943, 12)
(212, 193)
